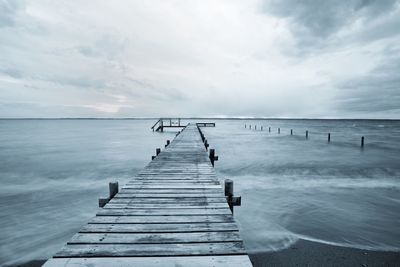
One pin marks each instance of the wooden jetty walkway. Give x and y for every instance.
(173, 213)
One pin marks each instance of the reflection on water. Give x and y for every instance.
(53, 171)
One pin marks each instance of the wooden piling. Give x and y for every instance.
(102, 202)
(261, 128)
(255, 127)
(113, 188)
(362, 141)
(291, 131)
(229, 192)
(158, 151)
(307, 134)
(206, 144)
(329, 137)
(269, 129)
(167, 144)
(250, 127)
(279, 130)
(245, 126)
(212, 156)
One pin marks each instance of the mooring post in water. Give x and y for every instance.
(307, 134)
(279, 130)
(158, 151)
(269, 129)
(291, 131)
(245, 126)
(212, 156)
(232, 201)
(261, 128)
(329, 137)
(362, 141)
(250, 127)
(113, 188)
(255, 127)
(167, 144)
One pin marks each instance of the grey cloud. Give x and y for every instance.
(315, 23)
(377, 91)
(322, 18)
(12, 72)
(8, 11)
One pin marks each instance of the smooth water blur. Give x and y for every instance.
(293, 187)
(53, 171)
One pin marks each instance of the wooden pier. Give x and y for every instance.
(173, 213)
(175, 123)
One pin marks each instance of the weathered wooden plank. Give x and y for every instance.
(181, 186)
(135, 250)
(190, 205)
(176, 196)
(161, 200)
(163, 219)
(154, 238)
(159, 228)
(170, 191)
(149, 212)
(187, 261)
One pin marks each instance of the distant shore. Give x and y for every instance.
(307, 253)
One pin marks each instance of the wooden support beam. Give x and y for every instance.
(212, 156)
(232, 200)
(113, 188)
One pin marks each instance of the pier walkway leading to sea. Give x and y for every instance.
(173, 213)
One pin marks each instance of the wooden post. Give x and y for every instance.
(245, 126)
(113, 189)
(261, 128)
(291, 131)
(255, 127)
(212, 156)
(307, 134)
(206, 144)
(168, 142)
(279, 130)
(162, 125)
(153, 157)
(179, 122)
(362, 141)
(102, 202)
(229, 192)
(269, 129)
(158, 151)
(329, 137)
(250, 127)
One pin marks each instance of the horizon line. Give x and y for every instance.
(193, 118)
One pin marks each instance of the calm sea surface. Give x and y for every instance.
(53, 171)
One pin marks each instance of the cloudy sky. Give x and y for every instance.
(278, 58)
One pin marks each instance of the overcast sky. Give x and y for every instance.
(281, 58)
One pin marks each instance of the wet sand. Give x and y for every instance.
(306, 253)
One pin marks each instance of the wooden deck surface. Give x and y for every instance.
(173, 213)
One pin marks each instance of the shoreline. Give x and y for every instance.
(310, 253)
(307, 253)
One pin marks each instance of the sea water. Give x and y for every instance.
(53, 171)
